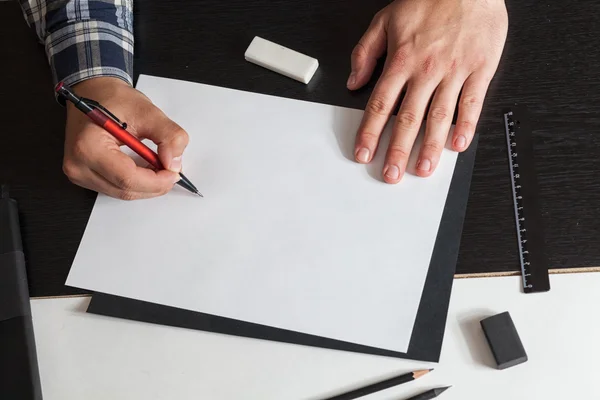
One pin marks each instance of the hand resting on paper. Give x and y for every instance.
(93, 158)
(435, 49)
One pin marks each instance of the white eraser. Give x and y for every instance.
(281, 59)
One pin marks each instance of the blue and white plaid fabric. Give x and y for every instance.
(84, 38)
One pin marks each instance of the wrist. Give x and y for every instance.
(99, 89)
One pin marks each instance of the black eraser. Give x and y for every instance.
(504, 340)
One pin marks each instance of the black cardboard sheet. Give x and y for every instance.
(428, 331)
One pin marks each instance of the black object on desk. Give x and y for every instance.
(504, 340)
(526, 193)
(19, 374)
(430, 394)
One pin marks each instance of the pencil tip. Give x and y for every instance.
(418, 374)
(199, 194)
(441, 390)
(430, 369)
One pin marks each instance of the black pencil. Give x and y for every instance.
(376, 387)
(430, 394)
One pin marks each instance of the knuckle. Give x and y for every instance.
(398, 60)
(379, 17)
(407, 119)
(366, 138)
(439, 114)
(465, 126)
(183, 136)
(127, 195)
(398, 152)
(478, 61)
(428, 65)
(378, 106)
(432, 146)
(125, 182)
(453, 67)
(359, 52)
(180, 138)
(71, 170)
(471, 101)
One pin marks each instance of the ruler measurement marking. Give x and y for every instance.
(525, 193)
(513, 178)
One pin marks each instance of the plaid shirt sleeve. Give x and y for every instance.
(84, 38)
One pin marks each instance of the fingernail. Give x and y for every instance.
(424, 165)
(362, 155)
(392, 172)
(351, 79)
(175, 164)
(460, 142)
(176, 178)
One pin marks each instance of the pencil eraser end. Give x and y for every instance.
(504, 340)
(282, 60)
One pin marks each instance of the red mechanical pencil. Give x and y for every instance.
(107, 120)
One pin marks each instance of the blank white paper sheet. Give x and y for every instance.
(291, 233)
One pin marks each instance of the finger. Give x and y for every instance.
(382, 102)
(438, 125)
(365, 54)
(469, 109)
(406, 127)
(121, 171)
(91, 180)
(170, 138)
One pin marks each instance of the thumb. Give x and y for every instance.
(171, 140)
(365, 54)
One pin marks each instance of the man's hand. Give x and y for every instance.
(435, 48)
(93, 158)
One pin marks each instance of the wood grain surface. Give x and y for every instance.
(550, 63)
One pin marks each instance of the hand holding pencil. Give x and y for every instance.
(93, 158)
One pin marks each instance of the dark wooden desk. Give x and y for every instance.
(550, 63)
